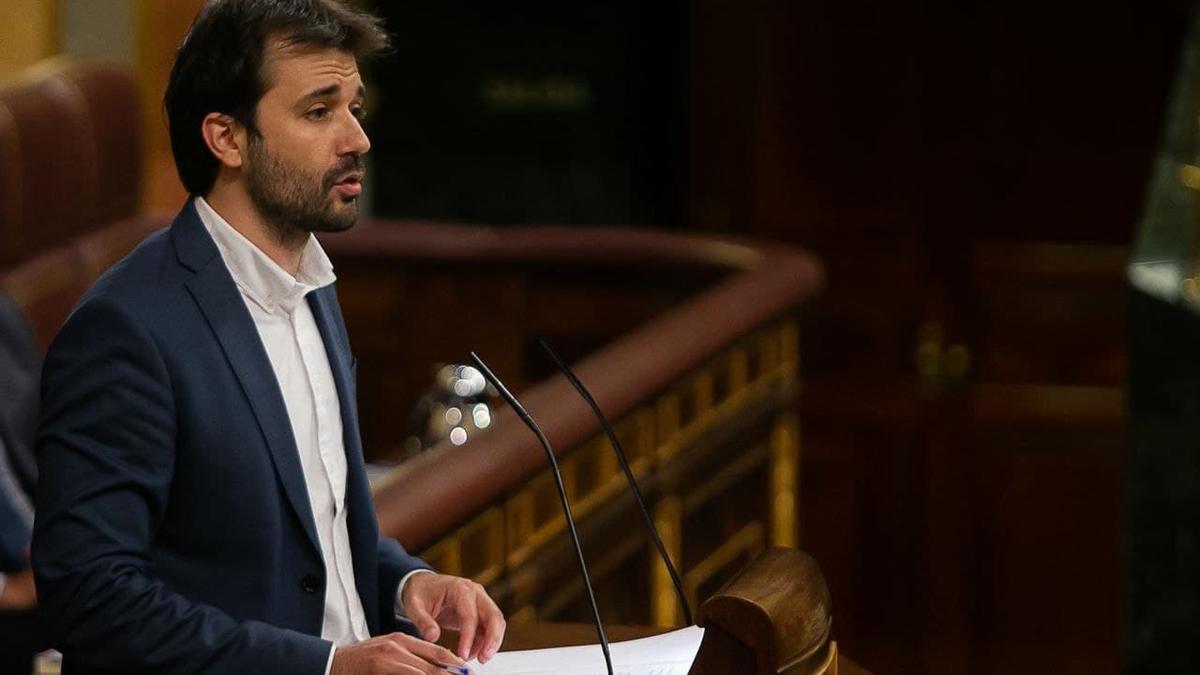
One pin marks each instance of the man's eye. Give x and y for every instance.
(359, 112)
(317, 113)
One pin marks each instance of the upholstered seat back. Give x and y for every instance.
(70, 154)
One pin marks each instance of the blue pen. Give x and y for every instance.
(453, 669)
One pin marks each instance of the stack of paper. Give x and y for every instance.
(667, 654)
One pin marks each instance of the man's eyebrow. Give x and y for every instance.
(332, 90)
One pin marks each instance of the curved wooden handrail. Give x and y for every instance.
(450, 242)
(763, 281)
(778, 611)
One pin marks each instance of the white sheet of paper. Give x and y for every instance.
(667, 654)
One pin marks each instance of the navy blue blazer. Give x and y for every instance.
(173, 530)
(20, 365)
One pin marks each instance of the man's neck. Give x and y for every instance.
(232, 204)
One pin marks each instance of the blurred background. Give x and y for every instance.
(972, 177)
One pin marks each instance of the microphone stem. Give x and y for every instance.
(587, 581)
(633, 485)
(562, 496)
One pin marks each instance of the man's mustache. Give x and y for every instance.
(347, 165)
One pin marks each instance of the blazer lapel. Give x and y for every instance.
(360, 522)
(214, 291)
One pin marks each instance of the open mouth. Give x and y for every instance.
(350, 186)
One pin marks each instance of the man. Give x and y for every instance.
(20, 362)
(202, 505)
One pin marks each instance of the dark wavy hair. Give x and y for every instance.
(218, 68)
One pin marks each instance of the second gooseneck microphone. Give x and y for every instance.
(633, 486)
(562, 495)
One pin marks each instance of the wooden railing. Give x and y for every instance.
(698, 368)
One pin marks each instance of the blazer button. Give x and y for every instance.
(310, 583)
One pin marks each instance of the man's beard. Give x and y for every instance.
(294, 201)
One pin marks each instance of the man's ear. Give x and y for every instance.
(225, 138)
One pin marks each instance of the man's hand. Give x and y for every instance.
(19, 593)
(436, 601)
(394, 653)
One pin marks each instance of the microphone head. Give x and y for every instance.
(495, 381)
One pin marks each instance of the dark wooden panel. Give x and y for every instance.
(970, 175)
(1048, 584)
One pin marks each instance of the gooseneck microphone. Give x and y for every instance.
(633, 486)
(562, 496)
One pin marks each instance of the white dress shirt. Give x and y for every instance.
(285, 323)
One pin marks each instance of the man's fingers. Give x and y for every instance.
(393, 653)
(468, 622)
(493, 628)
(419, 667)
(454, 602)
(423, 620)
(428, 650)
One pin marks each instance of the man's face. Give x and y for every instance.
(304, 170)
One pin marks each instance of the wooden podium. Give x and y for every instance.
(773, 618)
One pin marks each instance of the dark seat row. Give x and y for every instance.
(70, 181)
(47, 286)
(70, 154)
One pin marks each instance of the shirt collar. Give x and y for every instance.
(261, 279)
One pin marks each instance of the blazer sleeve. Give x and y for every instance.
(14, 535)
(106, 456)
(394, 564)
(20, 362)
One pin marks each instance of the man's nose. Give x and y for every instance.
(355, 139)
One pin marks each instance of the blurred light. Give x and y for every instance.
(481, 415)
(412, 445)
(453, 415)
(458, 435)
(475, 378)
(462, 387)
